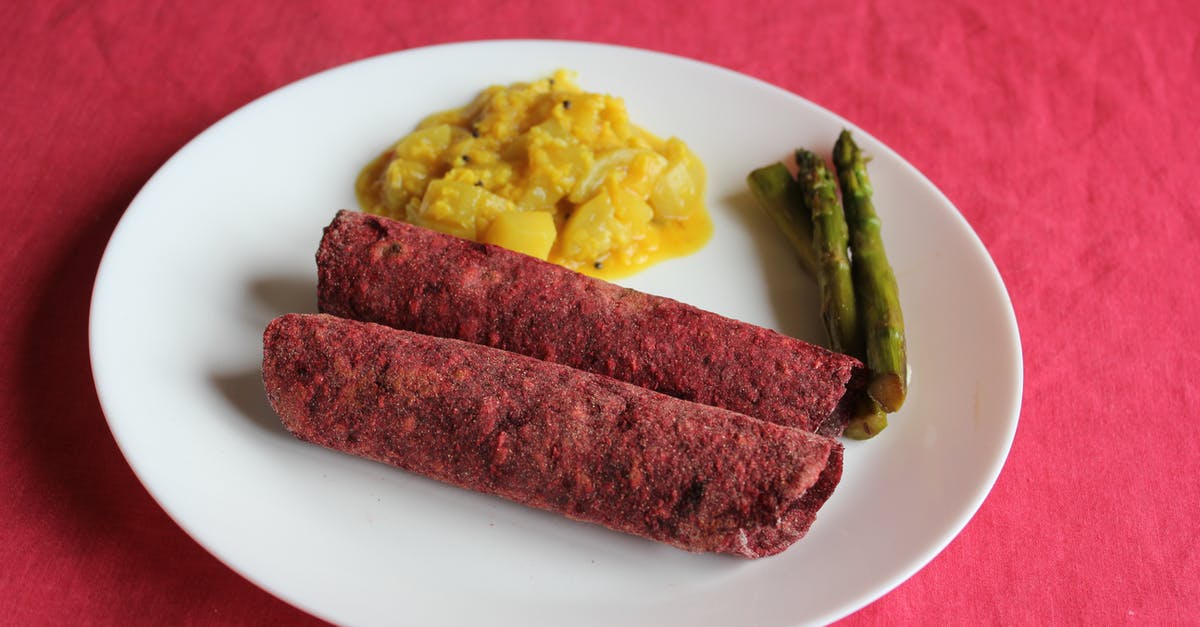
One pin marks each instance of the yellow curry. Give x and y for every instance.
(549, 170)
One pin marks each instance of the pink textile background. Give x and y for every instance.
(1065, 132)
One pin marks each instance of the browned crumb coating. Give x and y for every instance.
(590, 447)
(380, 270)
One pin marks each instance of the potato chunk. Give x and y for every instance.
(529, 232)
(459, 209)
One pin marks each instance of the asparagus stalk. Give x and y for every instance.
(874, 282)
(867, 420)
(781, 197)
(831, 243)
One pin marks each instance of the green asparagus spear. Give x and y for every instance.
(780, 196)
(831, 243)
(867, 420)
(874, 282)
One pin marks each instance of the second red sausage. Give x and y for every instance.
(385, 271)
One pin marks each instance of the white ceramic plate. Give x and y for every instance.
(222, 239)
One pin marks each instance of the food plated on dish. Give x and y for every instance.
(179, 377)
(463, 343)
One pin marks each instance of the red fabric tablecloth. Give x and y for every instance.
(1064, 131)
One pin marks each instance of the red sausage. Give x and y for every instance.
(379, 270)
(590, 447)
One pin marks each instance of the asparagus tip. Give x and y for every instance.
(866, 427)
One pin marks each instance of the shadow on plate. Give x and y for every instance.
(245, 392)
(266, 297)
(277, 295)
(793, 294)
